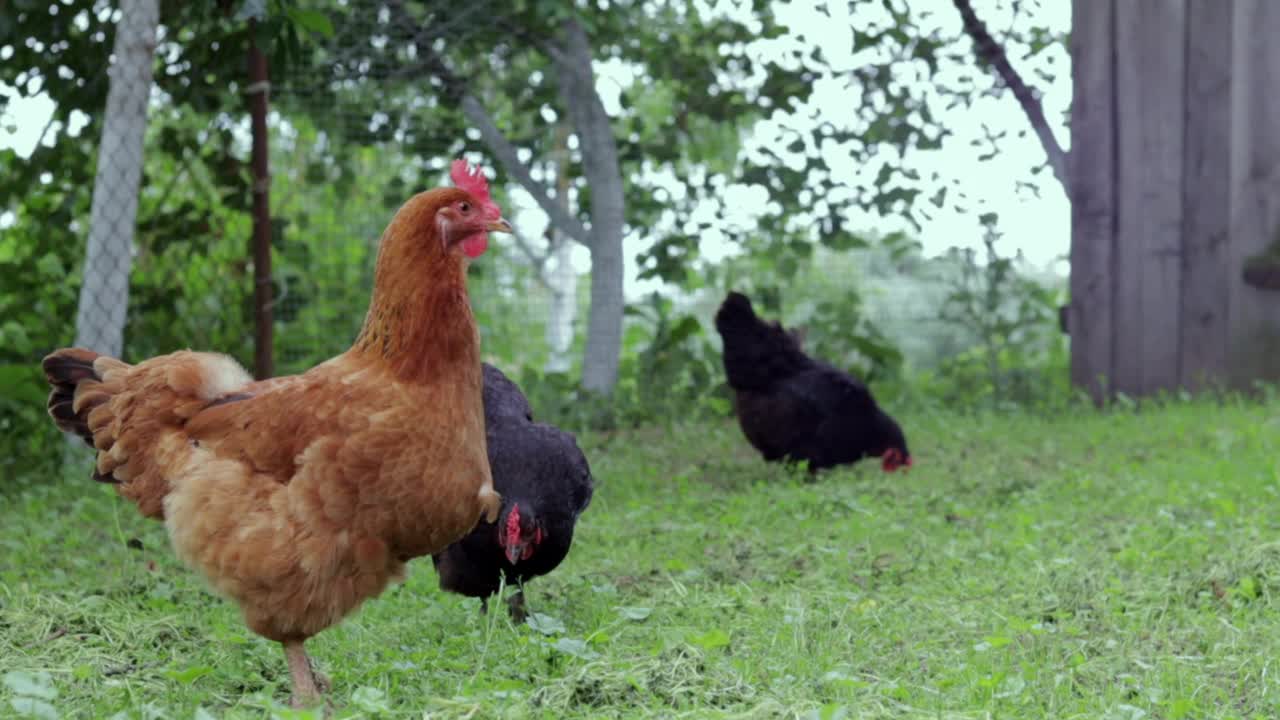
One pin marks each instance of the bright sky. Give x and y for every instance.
(1038, 226)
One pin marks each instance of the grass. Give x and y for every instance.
(1122, 565)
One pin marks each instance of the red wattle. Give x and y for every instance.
(475, 245)
(512, 530)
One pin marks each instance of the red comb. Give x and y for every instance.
(512, 534)
(893, 458)
(470, 178)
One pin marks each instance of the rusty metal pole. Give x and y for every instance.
(258, 91)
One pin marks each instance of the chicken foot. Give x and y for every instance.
(516, 606)
(307, 685)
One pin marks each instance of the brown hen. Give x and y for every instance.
(301, 497)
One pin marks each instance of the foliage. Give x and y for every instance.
(35, 288)
(1020, 357)
(39, 249)
(1086, 564)
(943, 332)
(711, 99)
(188, 286)
(670, 373)
(795, 168)
(707, 87)
(851, 339)
(826, 299)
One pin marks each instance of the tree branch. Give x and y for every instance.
(519, 32)
(986, 48)
(506, 154)
(498, 143)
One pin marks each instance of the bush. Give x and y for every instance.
(1020, 356)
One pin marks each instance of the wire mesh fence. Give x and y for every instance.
(150, 210)
(354, 131)
(353, 142)
(351, 137)
(104, 295)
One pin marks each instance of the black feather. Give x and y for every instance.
(536, 466)
(793, 407)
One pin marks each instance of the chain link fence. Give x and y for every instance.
(351, 144)
(354, 132)
(347, 147)
(104, 295)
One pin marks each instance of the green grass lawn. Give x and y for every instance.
(1122, 565)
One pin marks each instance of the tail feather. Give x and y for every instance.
(128, 413)
(66, 370)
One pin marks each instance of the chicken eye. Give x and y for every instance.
(464, 206)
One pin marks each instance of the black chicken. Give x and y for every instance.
(545, 484)
(792, 407)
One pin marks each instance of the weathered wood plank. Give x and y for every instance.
(1151, 35)
(1206, 219)
(1092, 172)
(1254, 315)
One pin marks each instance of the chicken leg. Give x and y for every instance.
(306, 688)
(516, 606)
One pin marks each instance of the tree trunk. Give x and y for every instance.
(563, 281)
(561, 278)
(104, 295)
(603, 172)
(608, 208)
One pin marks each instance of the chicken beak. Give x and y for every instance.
(514, 551)
(501, 225)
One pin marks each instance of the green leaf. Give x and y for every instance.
(545, 624)
(1247, 588)
(939, 198)
(576, 648)
(50, 266)
(34, 708)
(635, 613)
(190, 674)
(313, 20)
(370, 699)
(13, 335)
(31, 684)
(676, 565)
(997, 641)
(1182, 707)
(711, 640)
(832, 711)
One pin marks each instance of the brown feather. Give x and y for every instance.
(301, 497)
